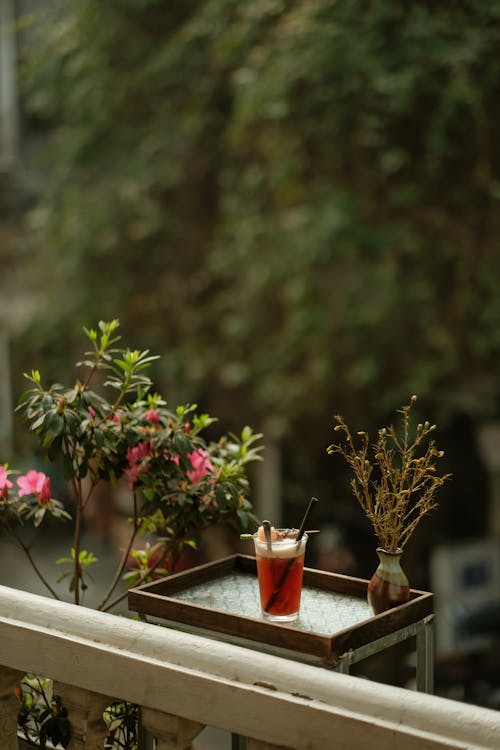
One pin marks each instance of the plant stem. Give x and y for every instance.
(140, 581)
(123, 560)
(77, 487)
(42, 692)
(33, 564)
(89, 377)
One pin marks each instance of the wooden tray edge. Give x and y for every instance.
(158, 599)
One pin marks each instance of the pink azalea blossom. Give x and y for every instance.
(91, 411)
(201, 464)
(153, 416)
(34, 483)
(115, 417)
(5, 483)
(136, 463)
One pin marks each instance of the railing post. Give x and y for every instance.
(85, 714)
(171, 732)
(9, 707)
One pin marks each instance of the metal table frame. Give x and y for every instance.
(424, 632)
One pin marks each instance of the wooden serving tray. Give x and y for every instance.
(223, 596)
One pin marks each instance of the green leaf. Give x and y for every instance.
(47, 402)
(39, 516)
(67, 467)
(54, 423)
(182, 444)
(54, 448)
(39, 422)
(100, 439)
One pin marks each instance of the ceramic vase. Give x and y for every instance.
(388, 586)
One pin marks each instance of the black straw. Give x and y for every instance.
(302, 527)
(267, 533)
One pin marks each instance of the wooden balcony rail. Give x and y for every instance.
(184, 682)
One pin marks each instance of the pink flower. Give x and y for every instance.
(137, 464)
(153, 416)
(5, 483)
(35, 483)
(201, 464)
(91, 411)
(115, 417)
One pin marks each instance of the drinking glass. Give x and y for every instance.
(280, 567)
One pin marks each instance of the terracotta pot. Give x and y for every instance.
(388, 586)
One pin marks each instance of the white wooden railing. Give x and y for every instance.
(184, 682)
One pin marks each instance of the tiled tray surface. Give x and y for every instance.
(320, 611)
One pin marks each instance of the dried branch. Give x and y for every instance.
(397, 487)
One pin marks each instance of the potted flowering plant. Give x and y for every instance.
(180, 483)
(395, 482)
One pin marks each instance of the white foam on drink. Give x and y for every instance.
(284, 548)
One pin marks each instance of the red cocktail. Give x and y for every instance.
(280, 566)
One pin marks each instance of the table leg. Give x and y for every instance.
(238, 742)
(425, 655)
(343, 663)
(145, 740)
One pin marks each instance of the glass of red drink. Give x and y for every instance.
(280, 566)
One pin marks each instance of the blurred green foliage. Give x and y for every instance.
(298, 201)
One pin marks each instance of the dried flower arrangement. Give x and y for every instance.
(397, 486)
